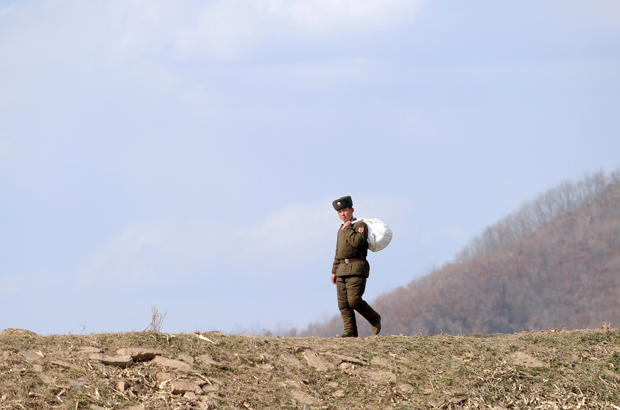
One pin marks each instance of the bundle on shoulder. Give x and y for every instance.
(379, 234)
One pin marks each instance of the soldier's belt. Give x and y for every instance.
(347, 261)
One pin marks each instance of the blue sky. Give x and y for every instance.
(185, 154)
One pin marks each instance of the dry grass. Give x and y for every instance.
(157, 320)
(543, 370)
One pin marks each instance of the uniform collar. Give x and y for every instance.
(352, 222)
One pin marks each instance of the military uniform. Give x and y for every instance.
(352, 269)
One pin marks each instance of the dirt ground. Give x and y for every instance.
(542, 370)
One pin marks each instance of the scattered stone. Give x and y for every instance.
(347, 359)
(199, 382)
(6, 355)
(46, 379)
(62, 352)
(37, 368)
(317, 362)
(206, 359)
(136, 407)
(381, 376)
(31, 354)
(175, 364)
(207, 403)
(89, 349)
(339, 393)
(265, 366)
(180, 387)
(333, 385)
(210, 388)
(118, 361)
(66, 365)
(17, 332)
(381, 361)
(162, 377)
(525, 360)
(190, 395)
(122, 386)
(405, 387)
(347, 366)
(186, 358)
(288, 383)
(95, 407)
(291, 361)
(302, 397)
(297, 349)
(139, 353)
(216, 381)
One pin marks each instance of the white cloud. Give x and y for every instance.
(351, 69)
(132, 257)
(224, 30)
(335, 15)
(228, 29)
(291, 236)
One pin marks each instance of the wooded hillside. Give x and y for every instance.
(554, 263)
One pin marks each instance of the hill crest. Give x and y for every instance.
(546, 369)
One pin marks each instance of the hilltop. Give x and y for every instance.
(147, 370)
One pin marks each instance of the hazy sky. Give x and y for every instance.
(185, 154)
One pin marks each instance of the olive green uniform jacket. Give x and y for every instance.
(351, 250)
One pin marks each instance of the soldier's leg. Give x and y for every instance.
(356, 285)
(346, 311)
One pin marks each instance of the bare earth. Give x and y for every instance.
(542, 370)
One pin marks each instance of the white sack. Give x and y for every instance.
(379, 234)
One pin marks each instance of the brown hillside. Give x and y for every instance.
(553, 264)
(543, 370)
(564, 273)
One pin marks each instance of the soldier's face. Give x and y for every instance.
(345, 214)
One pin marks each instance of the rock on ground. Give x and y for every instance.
(139, 353)
(175, 364)
(317, 362)
(181, 387)
(119, 361)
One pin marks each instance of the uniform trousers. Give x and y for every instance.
(350, 290)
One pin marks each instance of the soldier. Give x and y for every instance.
(351, 270)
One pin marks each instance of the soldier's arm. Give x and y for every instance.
(336, 260)
(356, 236)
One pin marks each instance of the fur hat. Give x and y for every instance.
(344, 202)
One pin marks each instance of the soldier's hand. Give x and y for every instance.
(334, 278)
(347, 223)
